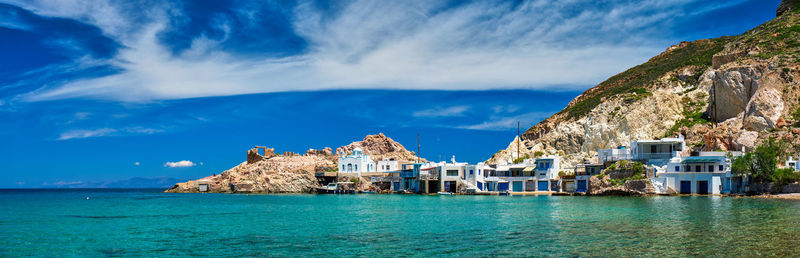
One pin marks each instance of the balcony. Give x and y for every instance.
(649, 156)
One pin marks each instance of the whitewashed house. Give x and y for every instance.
(459, 175)
(650, 152)
(546, 170)
(357, 162)
(791, 163)
(582, 174)
(709, 173)
(387, 165)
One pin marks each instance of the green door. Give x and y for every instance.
(517, 186)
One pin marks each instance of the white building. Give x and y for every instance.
(387, 165)
(532, 175)
(709, 173)
(582, 174)
(356, 162)
(650, 152)
(547, 171)
(791, 163)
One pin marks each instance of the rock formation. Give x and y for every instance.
(726, 93)
(381, 147)
(292, 173)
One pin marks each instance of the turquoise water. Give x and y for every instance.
(150, 223)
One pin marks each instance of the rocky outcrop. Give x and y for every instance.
(603, 186)
(727, 93)
(292, 173)
(381, 147)
(259, 174)
(787, 6)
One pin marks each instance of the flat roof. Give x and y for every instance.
(701, 159)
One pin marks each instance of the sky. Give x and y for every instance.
(108, 90)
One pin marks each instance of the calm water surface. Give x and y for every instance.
(150, 223)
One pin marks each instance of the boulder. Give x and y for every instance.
(747, 139)
(764, 110)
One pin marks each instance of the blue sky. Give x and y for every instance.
(108, 90)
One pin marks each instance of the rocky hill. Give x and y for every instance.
(289, 172)
(726, 93)
(381, 147)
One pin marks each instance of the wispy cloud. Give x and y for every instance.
(62, 183)
(505, 123)
(180, 164)
(83, 133)
(368, 44)
(78, 134)
(442, 112)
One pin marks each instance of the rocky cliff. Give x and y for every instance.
(289, 172)
(726, 93)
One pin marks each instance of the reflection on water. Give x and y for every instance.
(147, 223)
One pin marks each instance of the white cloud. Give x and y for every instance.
(442, 112)
(83, 133)
(499, 123)
(369, 44)
(77, 134)
(180, 164)
(136, 163)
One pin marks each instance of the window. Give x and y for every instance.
(479, 172)
(355, 168)
(710, 168)
(721, 167)
(653, 149)
(470, 171)
(698, 168)
(452, 172)
(677, 168)
(342, 167)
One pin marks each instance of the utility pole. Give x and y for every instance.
(417, 147)
(715, 104)
(519, 139)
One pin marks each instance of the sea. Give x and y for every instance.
(149, 223)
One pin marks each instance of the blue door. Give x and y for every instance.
(686, 187)
(542, 186)
(517, 186)
(581, 186)
(480, 186)
(396, 186)
(502, 187)
(702, 187)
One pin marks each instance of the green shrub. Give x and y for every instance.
(784, 176)
(521, 158)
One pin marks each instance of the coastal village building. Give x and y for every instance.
(582, 174)
(387, 165)
(357, 162)
(791, 163)
(651, 152)
(532, 175)
(708, 173)
(547, 172)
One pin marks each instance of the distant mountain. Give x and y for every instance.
(136, 182)
(725, 93)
